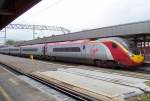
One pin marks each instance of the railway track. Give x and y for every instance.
(141, 69)
(70, 93)
(141, 72)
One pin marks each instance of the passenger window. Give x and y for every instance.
(114, 45)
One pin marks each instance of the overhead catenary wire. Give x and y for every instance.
(49, 5)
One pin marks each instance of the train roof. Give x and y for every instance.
(130, 30)
(11, 9)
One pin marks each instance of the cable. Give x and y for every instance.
(45, 9)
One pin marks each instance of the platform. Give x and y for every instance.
(13, 89)
(20, 88)
(97, 83)
(100, 85)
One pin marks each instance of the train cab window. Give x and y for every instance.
(114, 45)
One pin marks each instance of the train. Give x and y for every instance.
(103, 52)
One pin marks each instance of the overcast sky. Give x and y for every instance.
(77, 15)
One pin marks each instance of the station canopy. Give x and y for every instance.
(11, 9)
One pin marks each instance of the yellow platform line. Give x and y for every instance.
(32, 59)
(5, 94)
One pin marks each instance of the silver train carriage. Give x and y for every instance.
(101, 51)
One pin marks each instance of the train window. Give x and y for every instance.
(32, 49)
(114, 45)
(14, 49)
(5, 49)
(67, 49)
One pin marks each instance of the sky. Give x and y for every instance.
(77, 15)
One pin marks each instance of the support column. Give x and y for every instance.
(144, 47)
(5, 36)
(33, 31)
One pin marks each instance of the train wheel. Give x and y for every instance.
(104, 64)
(110, 64)
(99, 63)
(52, 58)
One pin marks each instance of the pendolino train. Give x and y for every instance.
(104, 52)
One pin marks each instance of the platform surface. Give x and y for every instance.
(16, 88)
(101, 84)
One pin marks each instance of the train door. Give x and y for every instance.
(44, 49)
(87, 52)
(83, 51)
(20, 50)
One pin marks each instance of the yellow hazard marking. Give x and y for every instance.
(32, 59)
(5, 94)
(137, 58)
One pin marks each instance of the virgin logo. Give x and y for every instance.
(93, 52)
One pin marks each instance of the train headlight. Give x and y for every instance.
(130, 54)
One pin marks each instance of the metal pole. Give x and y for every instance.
(144, 45)
(33, 31)
(5, 36)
